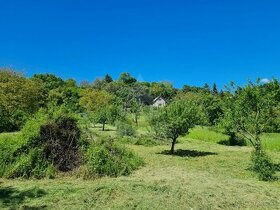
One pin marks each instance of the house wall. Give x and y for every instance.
(159, 102)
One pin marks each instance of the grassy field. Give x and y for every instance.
(202, 175)
(270, 141)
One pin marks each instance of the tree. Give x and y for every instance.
(206, 87)
(99, 104)
(108, 78)
(135, 109)
(126, 78)
(19, 99)
(67, 96)
(214, 89)
(99, 84)
(49, 81)
(162, 89)
(248, 112)
(174, 120)
(212, 107)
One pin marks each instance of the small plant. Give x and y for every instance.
(125, 129)
(263, 166)
(106, 158)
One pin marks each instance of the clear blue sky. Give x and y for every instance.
(185, 42)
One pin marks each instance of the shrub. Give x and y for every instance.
(106, 158)
(32, 164)
(48, 143)
(263, 166)
(60, 142)
(125, 129)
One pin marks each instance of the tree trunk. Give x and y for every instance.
(136, 119)
(173, 145)
(103, 127)
(258, 146)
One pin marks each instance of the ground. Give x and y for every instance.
(202, 175)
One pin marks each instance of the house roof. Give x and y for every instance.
(157, 98)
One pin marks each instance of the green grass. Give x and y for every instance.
(270, 141)
(205, 134)
(203, 175)
(8, 136)
(215, 177)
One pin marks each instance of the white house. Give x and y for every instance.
(159, 102)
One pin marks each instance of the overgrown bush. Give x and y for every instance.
(47, 144)
(125, 129)
(106, 158)
(263, 166)
(60, 142)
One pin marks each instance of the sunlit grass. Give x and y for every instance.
(203, 175)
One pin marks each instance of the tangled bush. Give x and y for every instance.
(105, 157)
(47, 144)
(60, 142)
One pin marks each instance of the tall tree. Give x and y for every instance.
(214, 89)
(108, 78)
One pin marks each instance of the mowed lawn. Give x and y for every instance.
(203, 175)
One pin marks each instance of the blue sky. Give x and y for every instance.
(184, 42)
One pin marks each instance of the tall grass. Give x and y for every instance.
(271, 141)
(206, 134)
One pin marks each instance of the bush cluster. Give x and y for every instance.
(105, 157)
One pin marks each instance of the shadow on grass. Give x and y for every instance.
(99, 128)
(187, 153)
(238, 142)
(11, 197)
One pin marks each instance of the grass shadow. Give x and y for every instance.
(187, 153)
(238, 142)
(11, 197)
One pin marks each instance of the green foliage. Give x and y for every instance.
(65, 96)
(263, 166)
(124, 128)
(126, 78)
(47, 143)
(19, 99)
(175, 119)
(135, 109)
(106, 158)
(248, 112)
(212, 106)
(101, 106)
(32, 164)
(49, 81)
(163, 89)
